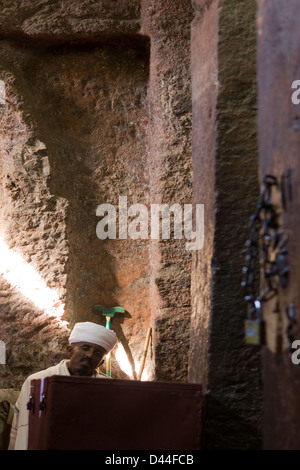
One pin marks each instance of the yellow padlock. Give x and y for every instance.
(253, 331)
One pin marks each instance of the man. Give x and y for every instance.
(88, 344)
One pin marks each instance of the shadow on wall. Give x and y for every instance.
(86, 104)
(92, 99)
(223, 426)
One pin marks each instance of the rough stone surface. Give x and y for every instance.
(168, 25)
(32, 225)
(68, 20)
(98, 106)
(228, 185)
(204, 95)
(91, 127)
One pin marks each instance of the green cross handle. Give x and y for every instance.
(108, 312)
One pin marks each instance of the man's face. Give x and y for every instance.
(84, 358)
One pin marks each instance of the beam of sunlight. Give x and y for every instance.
(125, 365)
(27, 280)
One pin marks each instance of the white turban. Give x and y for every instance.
(92, 333)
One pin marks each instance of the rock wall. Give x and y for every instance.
(225, 163)
(32, 225)
(98, 106)
(168, 25)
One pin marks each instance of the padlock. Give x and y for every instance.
(253, 331)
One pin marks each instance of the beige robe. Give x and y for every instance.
(20, 424)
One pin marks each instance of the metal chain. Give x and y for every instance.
(266, 242)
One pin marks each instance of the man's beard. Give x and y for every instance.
(85, 367)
